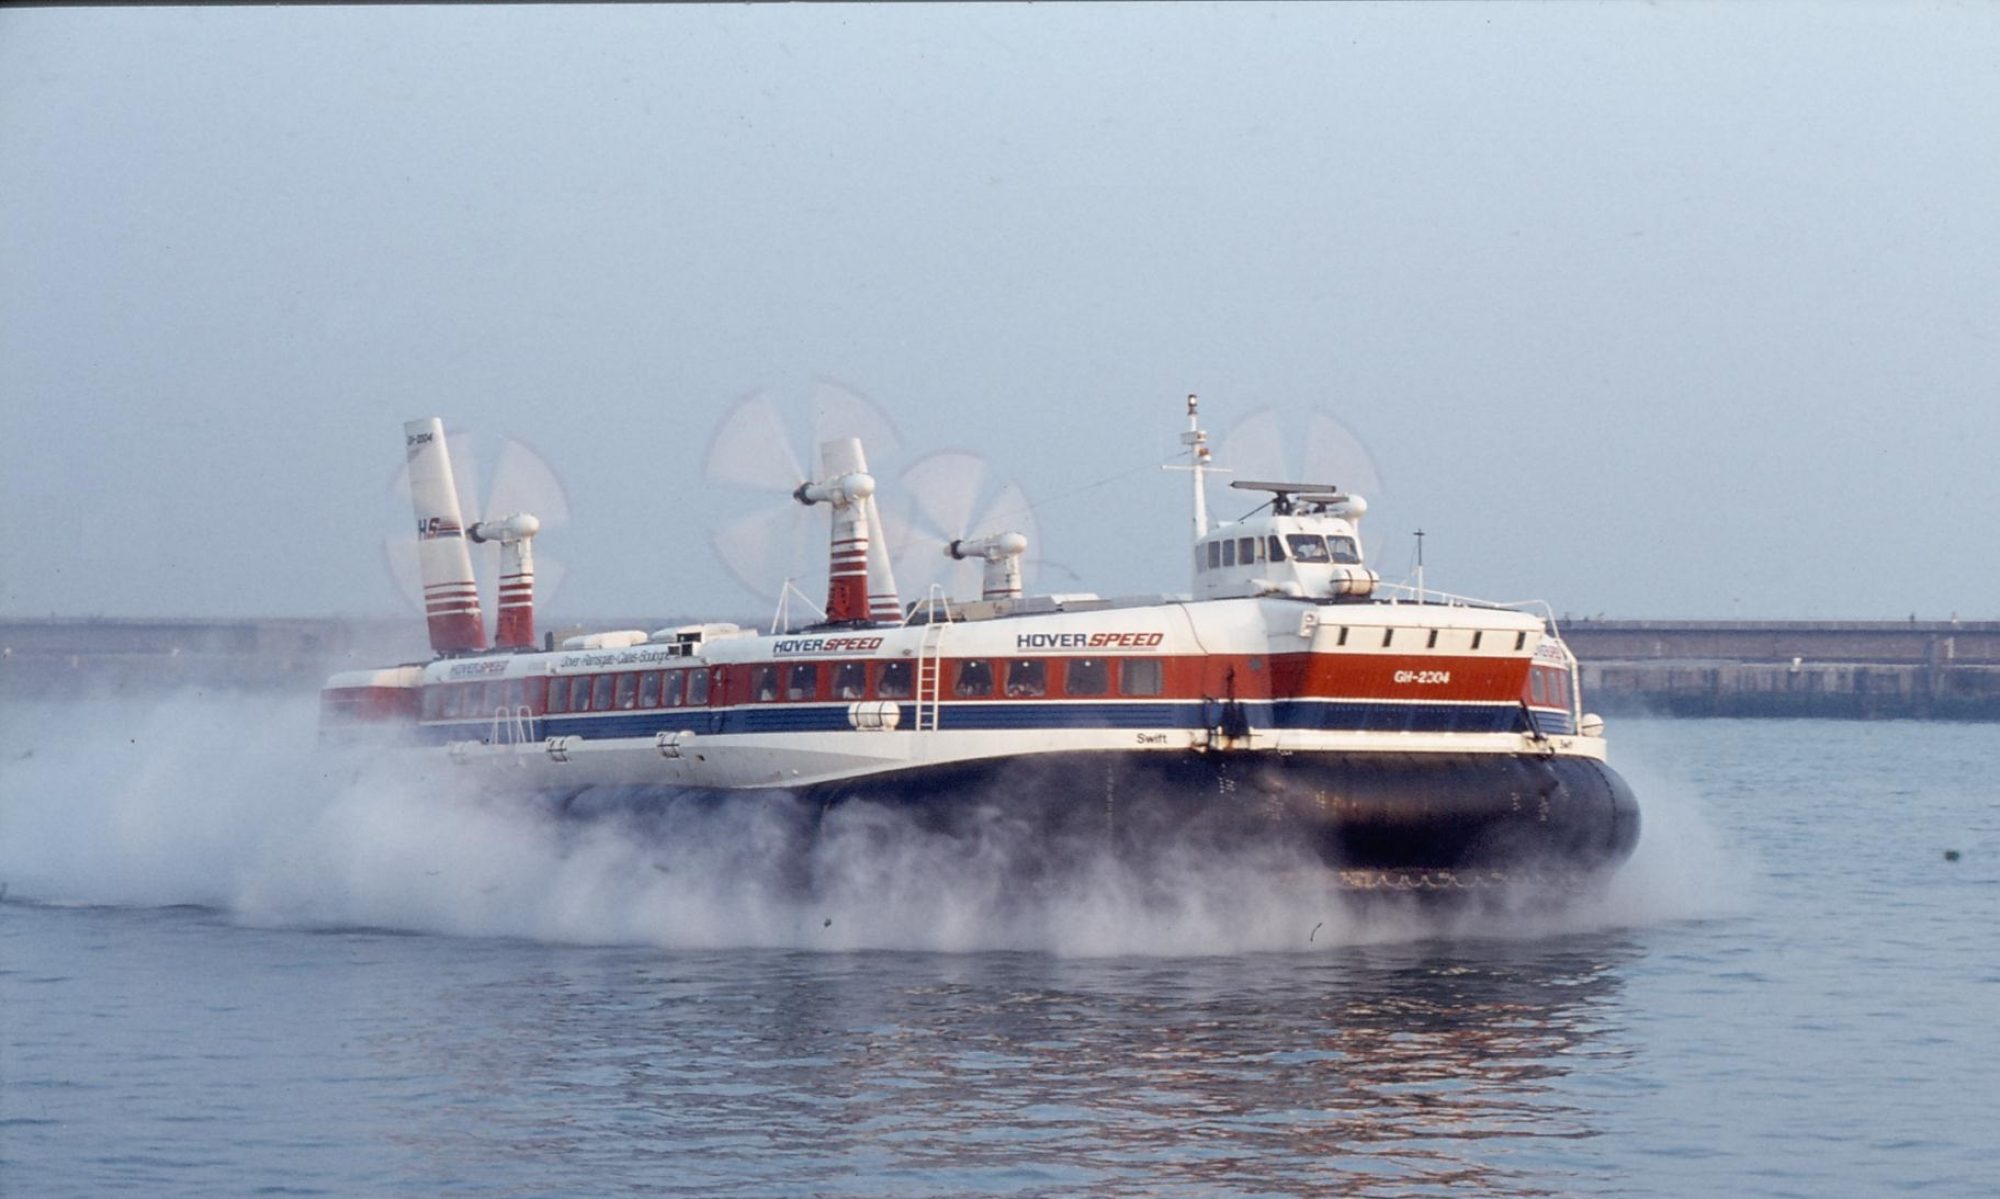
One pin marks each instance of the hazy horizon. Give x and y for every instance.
(1649, 311)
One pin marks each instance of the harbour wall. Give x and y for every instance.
(1947, 670)
(1850, 669)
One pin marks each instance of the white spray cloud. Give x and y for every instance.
(224, 801)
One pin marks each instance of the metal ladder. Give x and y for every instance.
(930, 677)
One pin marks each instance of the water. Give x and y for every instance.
(225, 969)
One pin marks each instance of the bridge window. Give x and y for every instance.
(600, 693)
(1246, 550)
(763, 684)
(1308, 547)
(628, 690)
(1027, 678)
(1088, 676)
(697, 696)
(850, 680)
(1139, 676)
(1344, 550)
(1277, 547)
(975, 679)
(1215, 555)
(802, 681)
(894, 682)
(649, 689)
(1229, 553)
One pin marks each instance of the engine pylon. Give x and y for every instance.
(451, 596)
(845, 486)
(515, 627)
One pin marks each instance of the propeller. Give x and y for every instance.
(521, 483)
(763, 445)
(1298, 445)
(952, 497)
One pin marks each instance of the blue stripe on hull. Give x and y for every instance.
(1015, 715)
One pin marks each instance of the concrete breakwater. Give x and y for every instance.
(1854, 669)
(1850, 669)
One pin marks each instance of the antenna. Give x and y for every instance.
(1197, 442)
(1420, 566)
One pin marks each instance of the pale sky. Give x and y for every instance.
(1669, 310)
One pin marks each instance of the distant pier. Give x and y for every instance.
(1946, 670)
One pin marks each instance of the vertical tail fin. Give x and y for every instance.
(451, 597)
(883, 602)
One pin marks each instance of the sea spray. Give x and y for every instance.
(226, 801)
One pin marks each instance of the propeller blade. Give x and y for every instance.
(840, 411)
(763, 549)
(1334, 454)
(752, 448)
(524, 482)
(944, 486)
(1254, 448)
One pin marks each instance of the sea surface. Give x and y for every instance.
(228, 968)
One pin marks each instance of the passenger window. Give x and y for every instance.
(558, 696)
(600, 693)
(433, 702)
(1088, 676)
(894, 682)
(1229, 553)
(697, 696)
(1388, 635)
(763, 684)
(517, 694)
(628, 690)
(649, 689)
(850, 680)
(975, 679)
(1535, 686)
(1246, 550)
(448, 705)
(1476, 636)
(1214, 555)
(579, 693)
(1200, 560)
(670, 689)
(1139, 676)
(802, 681)
(1027, 678)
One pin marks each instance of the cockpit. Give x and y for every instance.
(1303, 543)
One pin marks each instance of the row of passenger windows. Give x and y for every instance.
(972, 678)
(1299, 547)
(633, 689)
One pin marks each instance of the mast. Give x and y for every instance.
(1197, 443)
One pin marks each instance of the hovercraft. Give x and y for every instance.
(1400, 733)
